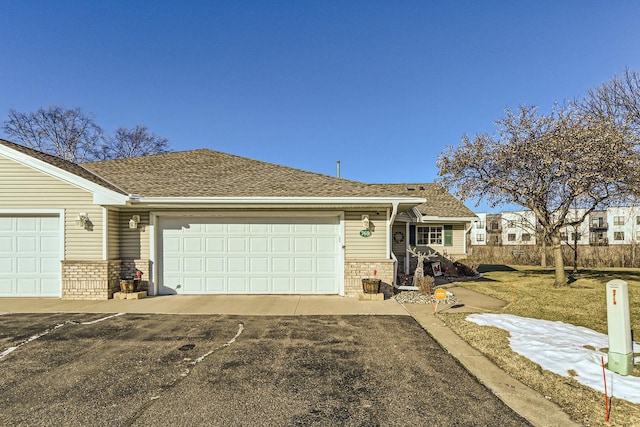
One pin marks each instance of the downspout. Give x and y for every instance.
(394, 213)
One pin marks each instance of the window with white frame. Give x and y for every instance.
(480, 237)
(526, 237)
(563, 236)
(638, 220)
(618, 235)
(637, 235)
(429, 235)
(480, 224)
(618, 220)
(511, 237)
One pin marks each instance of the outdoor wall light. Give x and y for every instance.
(82, 220)
(133, 222)
(365, 222)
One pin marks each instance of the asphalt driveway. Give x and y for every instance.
(132, 369)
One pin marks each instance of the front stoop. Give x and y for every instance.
(130, 295)
(370, 297)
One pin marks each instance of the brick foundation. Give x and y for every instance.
(357, 269)
(98, 280)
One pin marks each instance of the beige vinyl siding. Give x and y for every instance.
(113, 234)
(24, 188)
(399, 248)
(134, 243)
(374, 246)
(458, 240)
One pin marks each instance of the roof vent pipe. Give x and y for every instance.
(338, 166)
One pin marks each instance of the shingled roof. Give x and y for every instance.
(440, 203)
(65, 165)
(207, 173)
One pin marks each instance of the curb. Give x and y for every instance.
(525, 401)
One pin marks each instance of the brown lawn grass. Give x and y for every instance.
(583, 303)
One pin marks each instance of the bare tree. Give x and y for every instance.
(546, 163)
(74, 136)
(134, 142)
(617, 99)
(66, 133)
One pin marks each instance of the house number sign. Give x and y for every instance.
(365, 233)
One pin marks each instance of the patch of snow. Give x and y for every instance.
(560, 347)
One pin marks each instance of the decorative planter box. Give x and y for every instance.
(371, 286)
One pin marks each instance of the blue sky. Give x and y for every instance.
(381, 86)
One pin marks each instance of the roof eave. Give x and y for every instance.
(101, 195)
(426, 218)
(401, 201)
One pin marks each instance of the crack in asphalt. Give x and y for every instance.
(182, 376)
(11, 349)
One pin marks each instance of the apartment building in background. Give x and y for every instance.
(612, 226)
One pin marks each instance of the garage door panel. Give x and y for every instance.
(303, 285)
(237, 265)
(6, 224)
(236, 244)
(303, 244)
(27, 265)
(214, 244)
(27, 287)
(49, 287)
(326, 265)
(30, 255)
(193, 284)
(172, 244)
(192, 245)
(192, 265)
(303, 265)
(26, 224)
(259, 285)
(6, 244)
(237, 229)
(281, 245)
(259, 265)
(282, 265)
(250, 255)
(172, 265)
(49, 265)
(49, 245)
(259, 244)
(325, 285)
(27, 244)
(6, 287)
(237, 285)
(215, 285)
(215, 265)
(7, 264)
(281, 285)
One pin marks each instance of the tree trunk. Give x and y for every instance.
(543, 254)
(575, 251)
(561, 278)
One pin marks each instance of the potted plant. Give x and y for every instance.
(371, 286)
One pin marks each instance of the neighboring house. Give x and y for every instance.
(204, 222)
(439, 224)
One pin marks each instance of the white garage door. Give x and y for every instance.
(249, 255)
(30, 256)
